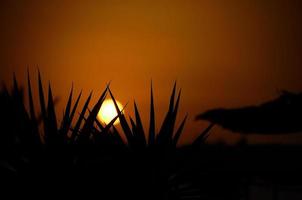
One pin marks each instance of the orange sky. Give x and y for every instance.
(222, 53)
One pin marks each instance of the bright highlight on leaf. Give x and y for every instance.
(108, 112)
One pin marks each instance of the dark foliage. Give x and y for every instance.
(34, 146)
(82, 156)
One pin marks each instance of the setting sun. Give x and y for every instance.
(108, 112)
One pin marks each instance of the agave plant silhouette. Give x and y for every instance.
(86, 129)
(30, 138)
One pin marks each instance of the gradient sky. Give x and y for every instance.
(222, 53)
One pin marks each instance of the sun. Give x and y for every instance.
(108, 112)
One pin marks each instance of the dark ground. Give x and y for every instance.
(210, 172)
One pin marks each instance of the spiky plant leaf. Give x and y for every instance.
(53, 136)
(172, 98)
(164, 137)
(179, 131)
(106, 129)
(88, 125)
(99, 124)
(109, 125)
(67, 110)
(151, 139)
(30, 98)
(74, 108)
(51, 110)
(123, 120)
(75, 131)
(174, 115)
(133, 126)
(41, 97)
(34, 123)
(139, 131)
(69, 115)
(203, 136)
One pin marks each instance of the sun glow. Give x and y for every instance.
(108, 112)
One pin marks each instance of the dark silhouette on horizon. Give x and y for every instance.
(80, 150)
(278, 116)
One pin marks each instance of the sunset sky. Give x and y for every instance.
(222, 53)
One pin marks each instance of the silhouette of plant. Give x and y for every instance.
(38, 143)
(86, 129)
